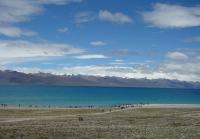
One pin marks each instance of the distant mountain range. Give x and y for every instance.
(8, 77)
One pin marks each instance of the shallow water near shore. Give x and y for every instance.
(65, 96)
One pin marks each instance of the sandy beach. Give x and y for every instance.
(117, 106)
(172, 106)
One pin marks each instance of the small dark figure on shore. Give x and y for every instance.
(4, 105)
(80, 118)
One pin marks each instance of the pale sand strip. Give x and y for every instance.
(171, 106)
(5, 120)
(126, 106)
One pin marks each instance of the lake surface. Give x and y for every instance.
(96, 96)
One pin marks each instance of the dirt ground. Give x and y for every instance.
(131, 123)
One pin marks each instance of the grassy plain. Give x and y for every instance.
(130, 123)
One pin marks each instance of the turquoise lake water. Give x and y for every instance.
(96, 96)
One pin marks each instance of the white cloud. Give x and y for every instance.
(177, 55)
(91, 56)
(57, 2)
(47, 63)
(12, 11)
(84, 17)
(119, 60)
(114, 17)
(119, 71)
(15, 31)
(116, 71)
(185, 70)
(173, 16)
(63, 30)
(103, 15)
(16, 11)
(183, 65)
(194, 39)
(182, 68)
(117, 63)
(98, 43)
(25, 49)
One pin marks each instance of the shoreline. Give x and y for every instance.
(172, 106)
(133, 122)
(123, 106)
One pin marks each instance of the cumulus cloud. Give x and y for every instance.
(116, 71)
(63, 30)
(103, 15)
(184, 70)
(183, 65)
(114, 17)
(193, 39)
(57, 2)
(177, 56)
(95, 70)
(10, 50)
(98, 43)
(119, 60)
(15, 31)
(120, 53)
(187, 67)
(91, 56)
(83, 17)
(12, 12)
(173, 16)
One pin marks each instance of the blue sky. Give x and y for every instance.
(131, 39)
